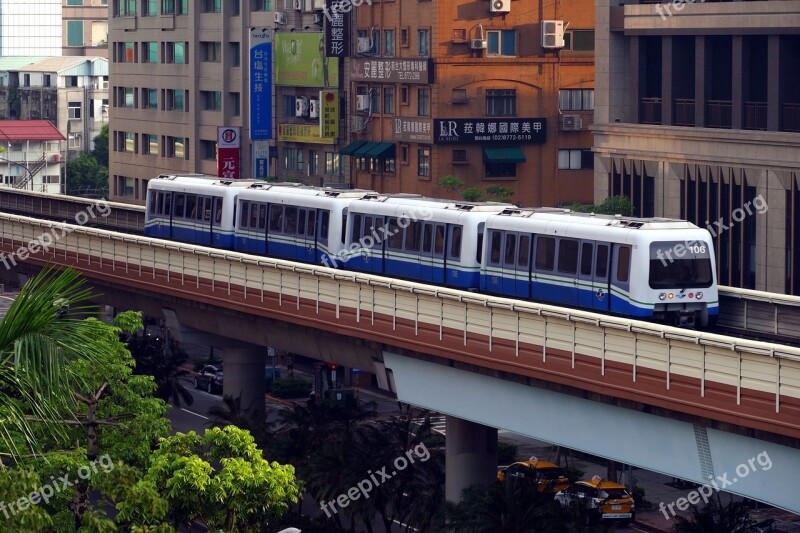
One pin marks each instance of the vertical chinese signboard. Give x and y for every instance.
(329, 114)
(337, 28)
(261, 83)
(228, 145)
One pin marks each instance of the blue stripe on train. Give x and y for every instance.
(190, 235)
(414, 270)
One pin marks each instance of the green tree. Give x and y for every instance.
(100, 150)
(84, 175)
(715, 518)
(220, 479)
(500, 193)
(613, 205)
(41, 340)
(163, 359)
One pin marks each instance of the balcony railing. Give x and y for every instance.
(718, 113)
(790, 117)
(755, 116)
(683, 112)
(650, 110)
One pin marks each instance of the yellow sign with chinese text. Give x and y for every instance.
(329, 113)
(301, 133)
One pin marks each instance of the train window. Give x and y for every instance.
(545, 252)
(623, 263)
(438, 241)
(413, 236)
(568, 256)
(253, 224)
(218, 211)
(586, 258)
(324, 222)
(275, 217)
(152, 203)
(455, 242)
(207, 209)
(601, 261)
(262, 216)
(495, 238)
(523, 258)
(479, 251)
(311, 223)
(344, 224)
(427, 237)
(160, 203)
(355, 231)
(395, 236)
(301, 222)
(511, 249)
(290, 227)
(243, 210)
(369, 225)
(180, 203)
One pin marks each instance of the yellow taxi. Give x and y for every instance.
(605, 500)
(545, 476)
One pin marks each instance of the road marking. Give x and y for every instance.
(195, 414)
(404, 525)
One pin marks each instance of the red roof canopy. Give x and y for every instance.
(29, 130)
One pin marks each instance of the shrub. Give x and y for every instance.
(506, 453)
(291, 388)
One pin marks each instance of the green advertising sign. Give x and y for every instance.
(299, 61)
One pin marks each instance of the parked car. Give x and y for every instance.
(545, 476)
(605, 500)
(209, 378)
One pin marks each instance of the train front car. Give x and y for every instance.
(674, 269)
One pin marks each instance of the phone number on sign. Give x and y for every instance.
(503, 137)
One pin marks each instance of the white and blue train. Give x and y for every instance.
(654, 269)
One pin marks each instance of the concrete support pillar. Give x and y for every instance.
(244, 375)
(700, 88)
(666, 80)
(774, 86)
(471, 456)
(737, 82)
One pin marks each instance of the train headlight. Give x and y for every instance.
(670, 296)
(662, 296)
(699, 295)
(691, 295)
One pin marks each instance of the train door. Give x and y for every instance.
(205, 219)
(168, 198)
(438, 254)
(586, 288)
(453, 272)
(544, 256)
(523, 286)
(509, 263)
(431, 259)
(567, 266)
(620, 280)
(306, 236)
(600, 280)
(493, 268)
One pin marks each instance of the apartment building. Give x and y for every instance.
(697, 116)
(495, 93)
(84, 28)
(178, 74)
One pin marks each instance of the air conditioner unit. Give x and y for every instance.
(477, 44)
(319, 4)
(298, 5)
(500, 6)
(552, 34)
(362, 103)
(318, 19)
(280, 17)
(364, 45)
(301, 106)
(313, 108)
(571, 122)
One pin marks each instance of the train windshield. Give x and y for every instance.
(680, 265)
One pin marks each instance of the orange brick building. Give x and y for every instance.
(482, 90)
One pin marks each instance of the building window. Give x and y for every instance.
(150, 8)
(292, 159)
(388, 43)
(236, 52)
(177, 147)
(74, 110)
(389, 165)
(212, 100)
(74, 33)
(501, 43)
(423, 161)
(501, 170)
(375, 100)
(208, 150)
(459, 35)
(333, 164)
(289, 103)
(424, 43)
(125, 53)
(149, 144)
(404, 39)
(150, 97)
(74, 2)
(404, 95)
(459, 156)
(236, 104)
(501, 102)
(74, 141)
(262, 5)
(126, 142)
(237, 8)
(582, 159)
(176, 53)
(579, 40)
(150, 52)
(211, 6)
(423, 102)
(175, 100)
(126, 8)
(388, 100)
(404, 154)
(313, 163)
(210, 51)
(167, 7)
(128, 97)
(576, 99)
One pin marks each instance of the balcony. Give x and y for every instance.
(790, 117)
(650, 110)
(683, 112)
(755, 116)
(718, 113)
